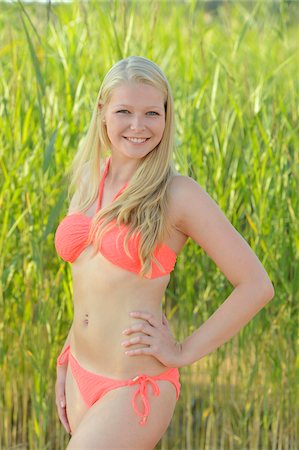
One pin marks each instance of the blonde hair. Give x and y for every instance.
(142, 206)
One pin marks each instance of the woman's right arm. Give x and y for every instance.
(61, 370)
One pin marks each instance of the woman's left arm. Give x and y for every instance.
(202, 220)
(235, 312)
(200, 217)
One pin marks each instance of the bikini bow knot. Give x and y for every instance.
(142, 380)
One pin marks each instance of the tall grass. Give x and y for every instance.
(233, 68)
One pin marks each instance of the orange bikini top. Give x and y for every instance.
(72, 234)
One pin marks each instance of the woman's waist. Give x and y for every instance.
(99, 350)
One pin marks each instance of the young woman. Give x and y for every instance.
(130, 216)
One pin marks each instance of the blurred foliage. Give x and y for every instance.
(233, 69)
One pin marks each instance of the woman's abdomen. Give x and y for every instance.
(97, 338)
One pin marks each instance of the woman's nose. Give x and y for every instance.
(137, 123)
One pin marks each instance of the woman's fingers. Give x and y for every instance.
(144, 339)
(144, 327)
(146, 316)
(63, 417)
(61, 404)
(141, 351)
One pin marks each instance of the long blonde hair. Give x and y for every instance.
(142, 206)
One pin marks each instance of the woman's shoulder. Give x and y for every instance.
(181, 187)
(186, 197)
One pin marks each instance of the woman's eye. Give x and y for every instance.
(122, 110)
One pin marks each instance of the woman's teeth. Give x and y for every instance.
(136, 140)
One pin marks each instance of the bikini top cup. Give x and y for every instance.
(72, 234)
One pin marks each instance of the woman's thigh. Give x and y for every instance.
(75, 406)
(112, 423)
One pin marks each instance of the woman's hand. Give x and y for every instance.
(60, 396)
(158, 339)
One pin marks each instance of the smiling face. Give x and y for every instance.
(135, 111)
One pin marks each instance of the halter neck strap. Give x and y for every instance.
(101, 187)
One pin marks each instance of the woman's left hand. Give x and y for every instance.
(158, 338)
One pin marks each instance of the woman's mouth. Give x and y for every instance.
(137, 141)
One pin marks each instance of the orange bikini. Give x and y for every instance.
(72, 234)
(70, 241)
(93, 386)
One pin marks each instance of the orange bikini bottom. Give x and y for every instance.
(93, 386)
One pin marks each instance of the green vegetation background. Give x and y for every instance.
(233, 68)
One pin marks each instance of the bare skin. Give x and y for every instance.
(104, 294)
(193, 214)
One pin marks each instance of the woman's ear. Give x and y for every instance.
(100, 106)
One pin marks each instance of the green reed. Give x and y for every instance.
(233, 71)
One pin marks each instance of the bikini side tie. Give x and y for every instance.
(63, 357)
(142, 380)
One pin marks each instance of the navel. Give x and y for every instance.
(86, 319)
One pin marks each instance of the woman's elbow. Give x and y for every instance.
(269, 290)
